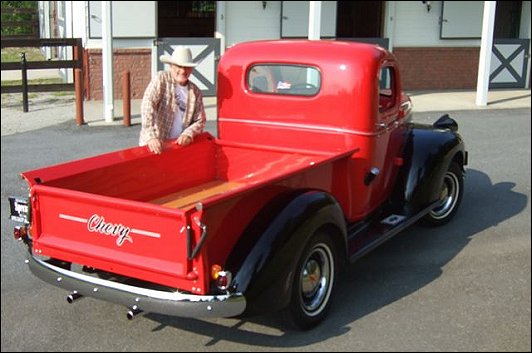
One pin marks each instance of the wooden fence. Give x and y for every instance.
(75, 63)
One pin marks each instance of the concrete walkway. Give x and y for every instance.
(95, 115)
(442, 101)
(47, 109)
(422, 102)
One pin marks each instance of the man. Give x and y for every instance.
(172, 106)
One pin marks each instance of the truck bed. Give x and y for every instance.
(127, 211)
(180, 176)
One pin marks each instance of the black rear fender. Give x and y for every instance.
(273, 243)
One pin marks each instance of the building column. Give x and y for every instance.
(220, 25)
(107, 61)
(486, 44)
(314, 20)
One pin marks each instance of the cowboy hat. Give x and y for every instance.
(182, 56)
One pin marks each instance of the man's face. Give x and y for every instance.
(181, 73)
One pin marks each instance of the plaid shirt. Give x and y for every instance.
(159, 107)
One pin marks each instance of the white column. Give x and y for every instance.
(69, 33)
(389, 23)
(47, 28)
(79, 27)
(486, 44)
(524, 32)
(107, 61)
(220, 25)
(154, 59)
(314, 20)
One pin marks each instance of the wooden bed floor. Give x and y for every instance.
(195, 194)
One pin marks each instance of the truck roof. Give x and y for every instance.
(345, 94)
(305, 51)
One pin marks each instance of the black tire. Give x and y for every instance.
(451, 193)
(314, 281)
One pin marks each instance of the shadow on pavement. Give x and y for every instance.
(398, 268)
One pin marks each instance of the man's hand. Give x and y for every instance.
(183, 140)
(155, 146)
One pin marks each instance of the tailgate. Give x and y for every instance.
(130, 238)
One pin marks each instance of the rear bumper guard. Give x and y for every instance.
(147, 300)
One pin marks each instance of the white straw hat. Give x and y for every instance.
(182, 56)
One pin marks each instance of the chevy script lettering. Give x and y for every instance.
(97, 224)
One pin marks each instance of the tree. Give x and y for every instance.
(19, 18)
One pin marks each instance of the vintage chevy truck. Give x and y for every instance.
(317, 162)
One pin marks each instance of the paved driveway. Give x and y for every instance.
(463, 287)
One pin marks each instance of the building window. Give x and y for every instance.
(186, 18)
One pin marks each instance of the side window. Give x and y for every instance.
(260, 79)
(284, 79)
(387, 91)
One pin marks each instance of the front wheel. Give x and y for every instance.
(313, 282)
(450, 197)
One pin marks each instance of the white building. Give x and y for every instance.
(436, 42)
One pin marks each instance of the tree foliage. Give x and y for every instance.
(17, 17)
(19, 4)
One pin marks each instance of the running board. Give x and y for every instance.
(364, 237)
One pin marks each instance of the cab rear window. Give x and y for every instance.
(284, 79)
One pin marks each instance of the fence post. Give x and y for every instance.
(78, 85)
(126, 99)
(24, 71)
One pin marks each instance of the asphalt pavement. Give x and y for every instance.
(465, 286)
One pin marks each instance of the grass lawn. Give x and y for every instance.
(32, 54)
(13, 54)
(35, 81)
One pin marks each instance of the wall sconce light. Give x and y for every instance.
(264, 3)
(427, 3)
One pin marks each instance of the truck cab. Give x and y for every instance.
(326, 96)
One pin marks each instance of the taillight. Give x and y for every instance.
(224, 279)
(221, 277)
(20, 232)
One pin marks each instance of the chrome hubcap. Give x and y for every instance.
(448, 196)
(316, 280)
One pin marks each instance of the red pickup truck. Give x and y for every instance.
(317, 162)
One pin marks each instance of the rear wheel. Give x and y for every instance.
(450, 197)
(314, 282)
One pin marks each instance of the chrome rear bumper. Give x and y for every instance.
(147, 300)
